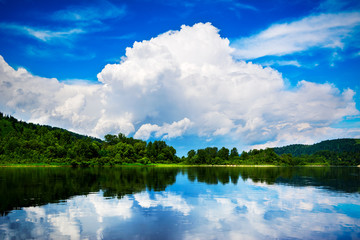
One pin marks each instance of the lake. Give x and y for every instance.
(180, 203)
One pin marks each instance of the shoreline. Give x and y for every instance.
(164, 165)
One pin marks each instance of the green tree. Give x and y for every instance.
(111, 139)
(191, 154)
(223, 153)
(234, 153)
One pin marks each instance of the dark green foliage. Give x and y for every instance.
(346, 153)
(223, 153)
(339, 152)
(234, 153)
(210, 155)
(27, 143)
(336, 145)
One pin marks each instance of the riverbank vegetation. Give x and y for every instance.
(32, 144)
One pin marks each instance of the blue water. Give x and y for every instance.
(189, 207)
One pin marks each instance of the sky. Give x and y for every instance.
(245, 74)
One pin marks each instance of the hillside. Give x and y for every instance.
(337, 145)
(10, 125)
(28, 143)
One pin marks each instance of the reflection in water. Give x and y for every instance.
(180, 203)
(344, 179)
(38, 186)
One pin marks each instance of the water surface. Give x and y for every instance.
(180, 203)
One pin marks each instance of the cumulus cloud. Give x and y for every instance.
(180, 83)
(323, 31)
(48, 101)
(167, 131)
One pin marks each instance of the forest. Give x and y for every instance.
(27, 143)
(34, 144)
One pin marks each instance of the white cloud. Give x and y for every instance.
(245, 6)
(322, 31)
(107, 124)
(146, 130)
(76, 19)
(48, 101)
(44, 35)
(167, 131)
(294, 63)
(90, 14)
(182, 83)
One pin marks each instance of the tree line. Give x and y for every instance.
(268, 156)
(28, 143)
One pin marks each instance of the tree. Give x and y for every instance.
(234, 153)
(223, 153)
(111, 139)
(122, 138)
(191, 154)
(211, 154)
(150, 151)
(140, 149)
(201, 153)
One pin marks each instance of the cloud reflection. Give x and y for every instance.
(246, 210)
(78, 217)
(166, 200)
(275, 211)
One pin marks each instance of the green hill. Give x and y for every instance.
(28, 143)
(337, 152)
(337, 145)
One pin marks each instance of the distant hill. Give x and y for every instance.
(10, 125)
(348, 145)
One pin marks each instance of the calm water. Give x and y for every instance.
(180, 203)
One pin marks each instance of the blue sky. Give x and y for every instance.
(193, 73)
